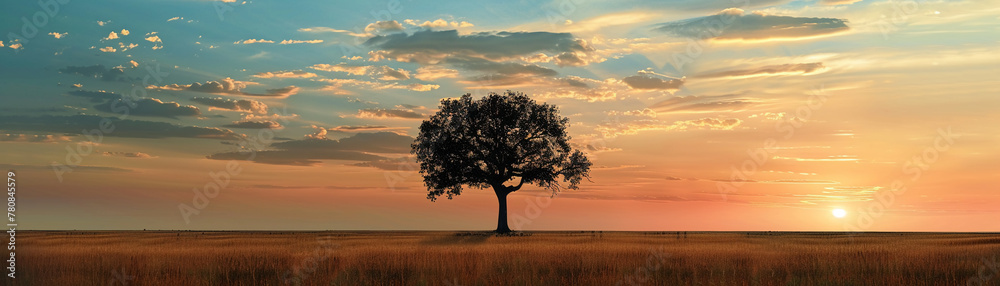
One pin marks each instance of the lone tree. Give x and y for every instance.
(499, 141)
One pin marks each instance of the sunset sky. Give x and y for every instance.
(697, 115)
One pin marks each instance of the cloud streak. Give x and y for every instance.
(310, 151)
(636, 126)
(150, 107)
(378, 113)
(96, 71)
(228, 86)
(241, 105)
(430, 47)
(78, 124)
(703, 103)
(771, 70)
(756, 26)
(34, 138)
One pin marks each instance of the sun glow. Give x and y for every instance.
(839, 213)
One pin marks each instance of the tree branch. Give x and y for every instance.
(518, 187)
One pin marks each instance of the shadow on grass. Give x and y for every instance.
(469, 237)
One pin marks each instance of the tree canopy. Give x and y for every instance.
(490, 141)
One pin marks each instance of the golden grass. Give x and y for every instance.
(544, 258)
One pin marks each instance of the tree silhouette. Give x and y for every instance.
(499, 141)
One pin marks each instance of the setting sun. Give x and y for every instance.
(839, 213)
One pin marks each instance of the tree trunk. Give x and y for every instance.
(502, 217)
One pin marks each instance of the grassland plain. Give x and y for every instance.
(541, 258)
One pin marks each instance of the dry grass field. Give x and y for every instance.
(543, 258)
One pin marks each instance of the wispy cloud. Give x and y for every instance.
(77, 124)
(639, 125)
(228, 86)
(150, 107)
(377, 113)
(241, 105)
(772, 70)
(285, 74)
(34, 138)
(311, 150)
(755, 26)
